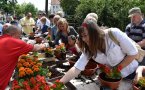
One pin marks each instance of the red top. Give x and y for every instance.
(72, 50)
(10, 50)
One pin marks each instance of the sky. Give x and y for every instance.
(40, 4)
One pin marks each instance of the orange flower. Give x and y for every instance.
(22, 74)
(26, 64)
(35, 58)
(22, 61)
(19, 65)
(21, 69)
(35, 66)
(36, 69)
(28, 71)
(39, 64)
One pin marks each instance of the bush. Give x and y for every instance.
(111, 13)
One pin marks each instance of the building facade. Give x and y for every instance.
(55, 6)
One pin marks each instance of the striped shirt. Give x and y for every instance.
(136, 33)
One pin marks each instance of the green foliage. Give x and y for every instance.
(111, 13)
(85, 7)
(141, 82)
(69, 6)
(8, 6)
(24, 8)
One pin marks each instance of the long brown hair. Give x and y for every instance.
(96, 38)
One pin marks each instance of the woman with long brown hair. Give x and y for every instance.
(95, 43)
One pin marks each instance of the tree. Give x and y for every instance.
(112, 13)
(85, 7)
(24, 8)
(8, 6)
(69, 6)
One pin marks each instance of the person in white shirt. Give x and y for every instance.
(39, 24)
(96, 44)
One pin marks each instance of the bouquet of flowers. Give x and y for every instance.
(112, 73)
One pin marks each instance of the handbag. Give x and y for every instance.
(141, 52)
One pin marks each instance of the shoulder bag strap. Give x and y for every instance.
(112, 37)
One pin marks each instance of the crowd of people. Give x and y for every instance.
(92, 40)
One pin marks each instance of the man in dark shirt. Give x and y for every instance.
(136, 29)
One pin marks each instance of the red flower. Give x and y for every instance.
(119, 68)
(107, 69)
(54, 86)
(25, 83)
(46, 87)
(32, 80)
(57, 80)
(113, 73)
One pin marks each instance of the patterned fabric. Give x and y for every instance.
(136, 33)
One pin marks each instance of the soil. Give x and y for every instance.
(103, 76)
(55, 73)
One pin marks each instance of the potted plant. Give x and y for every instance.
(110, 77)
(51, 43)
(90, 68)
(140, 84)
(49, 54)
(60, 51)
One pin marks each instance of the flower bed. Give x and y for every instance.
(31, 76)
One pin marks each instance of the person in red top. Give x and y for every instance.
(11, 47)
(71, 46)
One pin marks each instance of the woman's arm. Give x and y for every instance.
(57, 38)
(73, 72)
(127, 46)
(127, 60)
(76, 69)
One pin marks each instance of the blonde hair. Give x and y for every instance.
(62, 21)
(43, 19)
(93, 15)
